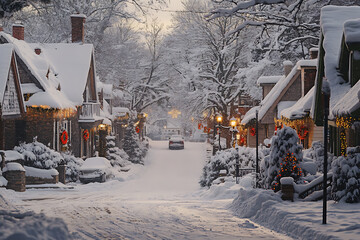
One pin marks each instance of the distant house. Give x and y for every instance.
(339, 63)
(11, 100)
(280, 92)
(59, 88)
(121, 116)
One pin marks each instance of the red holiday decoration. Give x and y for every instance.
(64, 137)
(200, 126)
(252, 131)
(137, 129)
(302, 132)
(86, 134)
(205, 129)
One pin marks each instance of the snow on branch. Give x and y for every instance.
(240, 6)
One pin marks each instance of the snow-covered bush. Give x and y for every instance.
(116, 156)
(316, 152)
(132, 145)
(283, 161)
(346, 176)
(73, 165)
(40, 156)
(226, 159)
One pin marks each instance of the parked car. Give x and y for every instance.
(176, 142)
(95, 169)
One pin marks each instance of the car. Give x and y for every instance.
(95, 169)
(176, 142)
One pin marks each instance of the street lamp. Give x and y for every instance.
(233, 130)
(219, 120)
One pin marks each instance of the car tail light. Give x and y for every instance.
(182, 142)
(171, 142)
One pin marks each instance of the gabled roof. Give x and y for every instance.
(271, 97)
(72, 63)
(332, 21)
(44, 72)
(301, 108)
(6, 52)
(349, 103)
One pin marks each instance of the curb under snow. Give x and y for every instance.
(261, 207)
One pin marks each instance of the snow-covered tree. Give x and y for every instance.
(346, 177)
(116, 156)
(283, 161)
(132, 145)
(8, 7)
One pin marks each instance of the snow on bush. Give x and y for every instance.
(40, 156)
(116, 156)
(316, 152)
(226, 159)
(132, 145)
(283, 160)
(346, 177)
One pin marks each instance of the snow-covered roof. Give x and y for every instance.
(42, 69)
(6, 51)
(269, 100)
(72, 62)
(352, 31)
(283, 105)
(332, 21)
(269, 79)
(301, 108)
(349, 103)
(120, 111)
(308, 63)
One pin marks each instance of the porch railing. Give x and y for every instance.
(89, 110)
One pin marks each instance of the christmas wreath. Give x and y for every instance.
(200, 126)
(205, 129)
(137, 129)
(252, 131)
(86, 134)
(302, 132)
(64, 137)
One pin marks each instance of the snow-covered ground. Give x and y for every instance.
(163, 200)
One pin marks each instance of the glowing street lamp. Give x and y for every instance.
(219, 120)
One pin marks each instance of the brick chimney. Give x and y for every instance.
(18, 31)
(314, 53)
(288, 66)
(77, 28)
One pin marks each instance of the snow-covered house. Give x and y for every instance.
(11, 99)
(288, 89)
(58, 83)
(339, 63)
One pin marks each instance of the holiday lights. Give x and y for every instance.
(288, 168)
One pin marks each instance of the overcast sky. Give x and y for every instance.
(164, 15)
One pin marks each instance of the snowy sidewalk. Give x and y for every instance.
(298, 219)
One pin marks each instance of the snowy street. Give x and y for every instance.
(161, 200)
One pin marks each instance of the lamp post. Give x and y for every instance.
(326, 96)
(233, 125)
(257, 149)
(219, 120)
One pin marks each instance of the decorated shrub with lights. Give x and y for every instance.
(346, 177)
(283, 161)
